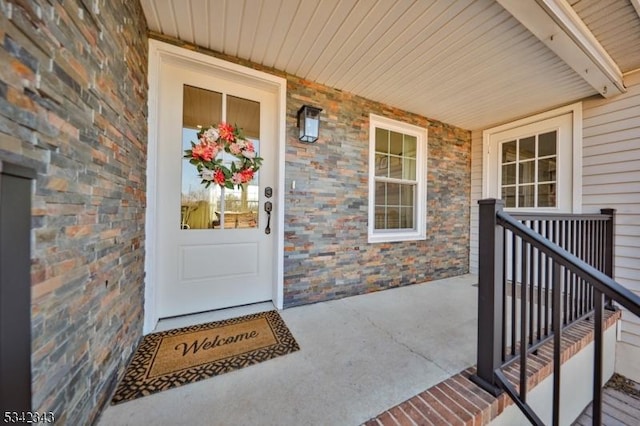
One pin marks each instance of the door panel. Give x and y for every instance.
(212, 247)
(232, 261)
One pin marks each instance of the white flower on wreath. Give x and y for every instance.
(211, 135)
(207, 175)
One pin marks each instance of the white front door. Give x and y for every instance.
(213, 250)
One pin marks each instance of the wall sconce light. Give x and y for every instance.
(309, 123)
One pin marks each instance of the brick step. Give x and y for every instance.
(459, 401)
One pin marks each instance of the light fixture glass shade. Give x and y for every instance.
(309, 123)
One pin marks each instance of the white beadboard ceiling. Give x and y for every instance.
(464, 62)
(616, 25)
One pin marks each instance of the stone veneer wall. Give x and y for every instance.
(327, 255)
(73, 106)
(326, 251)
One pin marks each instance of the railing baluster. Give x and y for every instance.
(539, 269)
(557, 342)
(597, 360)
(523, 325)
(599, 246)
(582, 242)
(595, 250)
(590, 236)
(594, 238)
(593, 244)
(514, 289)
(604, 252)
(600, 249)
(551, 228)
(531, 283)
(566, 277)
(584, 247)
(579, 253)
(504, 295)
(570, 294)
(574, 282)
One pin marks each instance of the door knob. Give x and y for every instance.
(267, 208)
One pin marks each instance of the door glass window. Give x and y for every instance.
(529, 171)
(213, 207)
(241, 205)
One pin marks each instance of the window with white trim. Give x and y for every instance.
(397, 189)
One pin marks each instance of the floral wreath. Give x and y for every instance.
(223, 138)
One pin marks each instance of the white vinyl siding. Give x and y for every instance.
(476, 194)
(611, 179)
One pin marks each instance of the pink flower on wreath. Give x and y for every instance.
(226, 132)
(247, 175)
(204, 151)
(249, 150)
(219, 178)
(237, 178)
(242, 176)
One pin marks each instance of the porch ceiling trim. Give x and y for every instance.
(557, 25)
(636, 5)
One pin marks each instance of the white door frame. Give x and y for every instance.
(159, 53)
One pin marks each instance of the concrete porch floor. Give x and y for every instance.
(358, 357)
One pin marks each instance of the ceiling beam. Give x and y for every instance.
(556, 24)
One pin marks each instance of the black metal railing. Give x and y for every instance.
(538, 274)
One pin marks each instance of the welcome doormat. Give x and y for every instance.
(177, 357)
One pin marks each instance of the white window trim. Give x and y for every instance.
(576, 179)
(420, 231)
